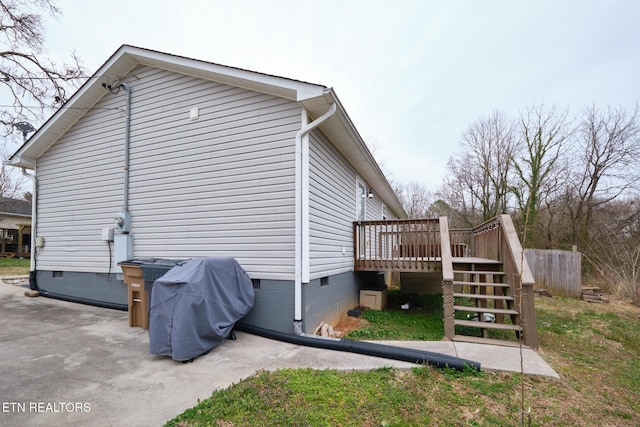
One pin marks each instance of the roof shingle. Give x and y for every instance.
(15, 206)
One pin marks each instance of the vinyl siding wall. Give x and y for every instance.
(221, 185)
(332, 206)
(80, 190)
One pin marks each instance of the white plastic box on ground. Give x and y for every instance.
(373, 299)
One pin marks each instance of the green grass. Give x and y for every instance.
(422, 321)
(594, 348)
(309, 397)
(14, 266)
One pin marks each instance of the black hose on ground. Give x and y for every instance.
(33, 285)
(370, 349)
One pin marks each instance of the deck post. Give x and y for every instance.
(447, 308)
(356, 259)
(528, 316)
(447, 279)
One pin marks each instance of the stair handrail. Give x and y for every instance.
(524, 295)
(447, 278)
(515, 249)
(445, 248)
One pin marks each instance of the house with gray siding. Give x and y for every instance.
(15, 227)
(196, 159)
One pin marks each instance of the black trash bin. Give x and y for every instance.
(139, 274)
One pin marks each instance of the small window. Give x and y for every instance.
(57, 274)
(324, 281)
(9, 235)
(384, 213)
(255, 283)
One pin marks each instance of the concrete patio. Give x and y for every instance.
(70, 364)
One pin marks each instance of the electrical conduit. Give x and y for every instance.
(127, 131)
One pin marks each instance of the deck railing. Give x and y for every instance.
(397, 245)
(461, 242)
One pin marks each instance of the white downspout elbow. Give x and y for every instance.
(301, 240)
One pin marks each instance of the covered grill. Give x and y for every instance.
(195, 305)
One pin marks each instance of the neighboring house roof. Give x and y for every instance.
(316, 99)
(15, 207)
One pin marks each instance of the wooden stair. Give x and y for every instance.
(482, 283)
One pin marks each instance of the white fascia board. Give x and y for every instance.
(252, 80)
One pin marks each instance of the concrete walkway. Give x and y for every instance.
(70, 364)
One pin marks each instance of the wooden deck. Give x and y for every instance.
(428, 246)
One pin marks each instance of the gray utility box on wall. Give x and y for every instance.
(122, 248)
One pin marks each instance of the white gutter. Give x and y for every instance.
(22, 162)
(301, 239)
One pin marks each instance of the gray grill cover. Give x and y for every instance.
(195, 305)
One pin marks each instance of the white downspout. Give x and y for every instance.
(301, 240)
(34, 213)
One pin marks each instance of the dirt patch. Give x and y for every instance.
(349, 323)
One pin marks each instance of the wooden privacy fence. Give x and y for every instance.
(558, 271)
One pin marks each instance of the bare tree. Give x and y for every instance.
(12, 184)
(36, 83)
(543, 133)
(482, 175)
(552, 228)
(607, 164)
(416, 199)
(455, 193)
(614, 250)
(572, 185)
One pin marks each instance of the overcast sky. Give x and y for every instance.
(412, 75)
